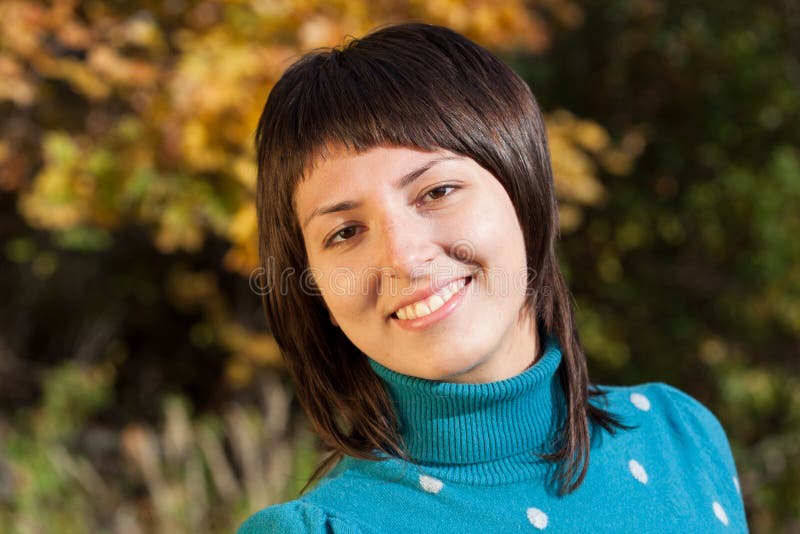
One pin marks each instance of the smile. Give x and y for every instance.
(428, 305)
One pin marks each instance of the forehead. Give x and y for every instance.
(335, 171)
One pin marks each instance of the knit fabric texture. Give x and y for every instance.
(477, 466)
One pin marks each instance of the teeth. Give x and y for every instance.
(431, 304)
(420, 309)
(435, 302)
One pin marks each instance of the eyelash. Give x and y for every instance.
(329, 243)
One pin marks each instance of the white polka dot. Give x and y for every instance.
(719, 511)
(640, 401)
(537, 518)
(637, 471)
(738, 487)
(430, 484)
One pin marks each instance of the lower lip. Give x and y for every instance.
(447, 308)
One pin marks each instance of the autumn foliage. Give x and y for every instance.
(677, 174)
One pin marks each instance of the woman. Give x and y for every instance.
(408, 228)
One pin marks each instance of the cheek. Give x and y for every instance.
(344, 292)
(500, 248)
(492, 232)
(469, 234)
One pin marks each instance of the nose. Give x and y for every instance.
(406, 248)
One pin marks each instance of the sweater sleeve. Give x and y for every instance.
(294, 517)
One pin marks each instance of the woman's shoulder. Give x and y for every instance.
(653, 396)
(327, 507)
(674, 446)
(294, 517)
(657, 404)
(667, 421)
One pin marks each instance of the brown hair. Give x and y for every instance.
(422, 86)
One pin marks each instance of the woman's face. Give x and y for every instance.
(420, 260)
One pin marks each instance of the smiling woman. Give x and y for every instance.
(408, 175)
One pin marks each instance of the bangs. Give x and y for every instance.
(409, 89)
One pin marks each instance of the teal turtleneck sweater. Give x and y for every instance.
(476, 467)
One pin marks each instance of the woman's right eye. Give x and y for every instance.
(346, 233)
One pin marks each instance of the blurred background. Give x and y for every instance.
(140, 389)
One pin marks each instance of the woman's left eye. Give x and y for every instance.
(345, 234)
(434, 193)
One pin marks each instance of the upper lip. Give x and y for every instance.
(425, 292)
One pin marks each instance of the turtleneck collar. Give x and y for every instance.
(460, 424)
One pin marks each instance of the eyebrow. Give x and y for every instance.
(401, 183)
